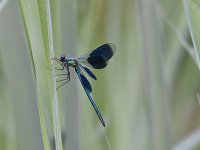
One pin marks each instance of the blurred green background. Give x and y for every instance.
(148, 94)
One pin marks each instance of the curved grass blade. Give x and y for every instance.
(78, 71)
(42, 47)
(192, 12)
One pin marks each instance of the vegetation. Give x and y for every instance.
(148, 94)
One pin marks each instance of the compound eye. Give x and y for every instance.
(62, 58)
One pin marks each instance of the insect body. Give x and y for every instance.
(97, 59)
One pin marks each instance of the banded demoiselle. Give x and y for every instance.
(97, 59)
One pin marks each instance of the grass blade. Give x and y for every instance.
(192, 11)
(37, 21)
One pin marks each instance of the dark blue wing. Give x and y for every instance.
(99, 57)
(97, 61)
(88, 72)
(105, 50)
(86, 83)
(78, 71)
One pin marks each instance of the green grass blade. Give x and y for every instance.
(155, 100)
(56, 116)
(192, 11)
(29, 10)
(19, 93)
(37, 20)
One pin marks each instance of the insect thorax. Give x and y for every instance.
(71, 62)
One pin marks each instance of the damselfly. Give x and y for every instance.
(97, 59)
